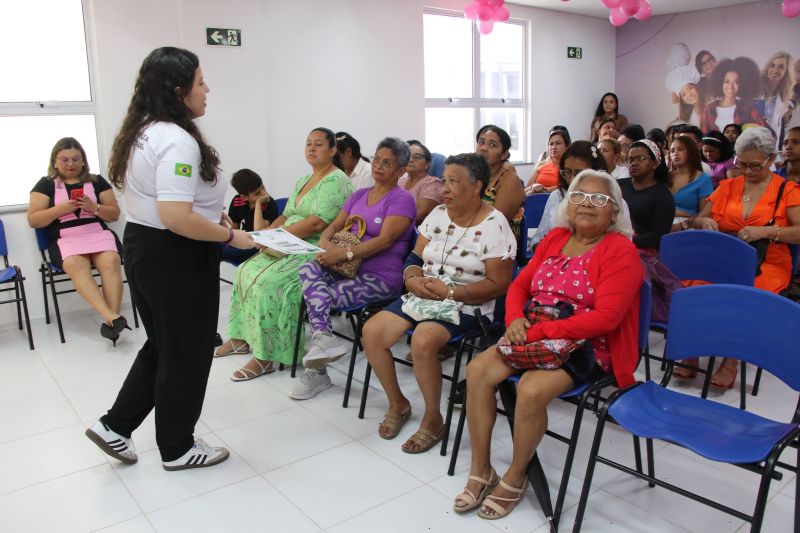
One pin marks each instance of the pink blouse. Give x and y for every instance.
(566, 279)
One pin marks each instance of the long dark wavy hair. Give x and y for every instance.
(165, 79)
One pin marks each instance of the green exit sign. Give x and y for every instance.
(574, 52)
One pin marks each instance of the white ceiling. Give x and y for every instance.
(595, 8)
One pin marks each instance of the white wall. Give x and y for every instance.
(353, 65)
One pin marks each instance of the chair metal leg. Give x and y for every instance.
(637, 454)
(55, 307)
(651, 461)
(457, 439)
(573, 444)
(540, 488)
(134, 311)
(18, 299)
(743, 388)
(300, 316)
(451, 400)
(587, 481)
(647, 366)
(364, 392)
(756, 381)
(44, 293)
(707, 379)
(25, 310)
(351, 369)
(508, 397)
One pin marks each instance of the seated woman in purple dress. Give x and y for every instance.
(75, 205)
(389, 212)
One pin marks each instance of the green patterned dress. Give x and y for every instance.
(266, 295)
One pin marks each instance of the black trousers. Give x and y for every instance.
(174, 282)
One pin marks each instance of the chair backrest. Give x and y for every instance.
(709, 256)
(739, 322)
(645, 314)
(42, 238)
(437, 165)
(795, 251)
(534, 210)
(3, 243)
(281, 203)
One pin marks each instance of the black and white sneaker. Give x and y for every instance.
(112, 443)
(200, 455)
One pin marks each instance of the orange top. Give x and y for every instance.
(548, 175)
(726, 209)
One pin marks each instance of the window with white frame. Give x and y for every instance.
(472, 80)
(46, 90)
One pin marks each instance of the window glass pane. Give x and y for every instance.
(448, 56)
(33, 138)
(45, 45)
(501, 62)
(510, 119)
(448, 130)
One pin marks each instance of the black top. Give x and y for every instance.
(47, 187)
(242, 215)
(652, 211)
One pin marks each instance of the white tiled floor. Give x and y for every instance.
(305, 466)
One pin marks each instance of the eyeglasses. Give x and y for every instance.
(637, 159)
(64, 160)
(744, 166)
(418, 157)
(568, 173)
(383, 163)
(596, 199)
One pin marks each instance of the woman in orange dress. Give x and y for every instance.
(545, 175)
(743, 205)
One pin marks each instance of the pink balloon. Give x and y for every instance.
(496, 3)
(485, 27)
(790, 8)
(482, 2)
(645, 11)
(611, 4)
(500, 14)
(629, 7)
(471, 12)
(484, 13)
(617, 17)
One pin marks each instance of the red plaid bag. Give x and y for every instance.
(547, 354)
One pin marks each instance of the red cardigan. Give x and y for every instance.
(616, 274)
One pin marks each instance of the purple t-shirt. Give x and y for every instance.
(388, 264)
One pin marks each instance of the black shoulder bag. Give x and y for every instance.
(761, 245)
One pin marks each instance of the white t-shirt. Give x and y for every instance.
(725, 116)
(620, 172)
(461, 252)
(165, 166)
(362, 175)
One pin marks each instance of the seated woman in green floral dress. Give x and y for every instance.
(267, 294)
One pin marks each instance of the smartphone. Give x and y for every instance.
(76, 194)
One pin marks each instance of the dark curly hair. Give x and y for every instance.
(475, 164)
(505, 138)
(749, 77)
(165, 78)
(586, 152)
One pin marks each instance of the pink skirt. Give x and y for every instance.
(88, 239)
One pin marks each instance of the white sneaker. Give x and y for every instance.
(112, 443)
(324, 348)
(200, 455)
(312, 382)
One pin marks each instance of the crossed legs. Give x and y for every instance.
(79, 269)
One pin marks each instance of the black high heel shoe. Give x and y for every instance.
(112, 332)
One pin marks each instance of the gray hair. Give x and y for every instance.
(619, 222)
(760, 139)
(398, 147)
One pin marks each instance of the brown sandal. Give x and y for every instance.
(500, 511)
(687, 373)
(394, 423)
(424, 441)
(471, 500)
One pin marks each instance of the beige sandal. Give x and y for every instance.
(245, 374)
(424, 439)
(500, 511)
(242, 349)
(471, 500)
(394, 423)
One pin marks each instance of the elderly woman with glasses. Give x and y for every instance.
(588, 266)
(463, 258)
(743, 206)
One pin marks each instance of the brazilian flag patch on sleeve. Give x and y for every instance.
(182, 169)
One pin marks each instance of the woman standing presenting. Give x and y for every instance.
(173, 204)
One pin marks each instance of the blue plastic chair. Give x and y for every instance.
(732, 321)
(12, 274)
(52, 275)
(579, 396)
(534, 210)
(437, 165)
(713, 257)
(281, 203)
